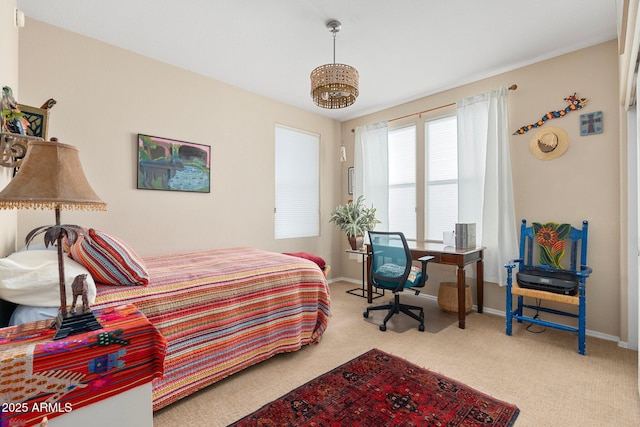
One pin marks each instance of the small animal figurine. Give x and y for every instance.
(79, 287)
(575, 103)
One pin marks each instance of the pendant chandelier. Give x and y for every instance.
(334, 85)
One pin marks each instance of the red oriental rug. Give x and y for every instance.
(378, 389)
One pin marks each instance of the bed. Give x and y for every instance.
(222, 311)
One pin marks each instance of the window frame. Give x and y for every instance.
(438, 182)
(420, 122)
(305, 168)
(412, 233)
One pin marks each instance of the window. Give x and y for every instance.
(422, 172)
(297, 186)
(441, 176)
(402, 180)
(421, 180)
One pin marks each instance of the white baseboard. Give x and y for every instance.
(501, 313)
(345, 279)
(590, 333)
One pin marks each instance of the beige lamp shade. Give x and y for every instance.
(51, 177)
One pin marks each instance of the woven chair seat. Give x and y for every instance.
(549, 296)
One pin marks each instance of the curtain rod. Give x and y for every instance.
(512, 87)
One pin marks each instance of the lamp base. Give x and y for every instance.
(75, 324)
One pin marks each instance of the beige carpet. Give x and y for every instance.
(542, 373)
(437, 319)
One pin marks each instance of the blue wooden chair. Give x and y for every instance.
(546, 275)
(392, 270)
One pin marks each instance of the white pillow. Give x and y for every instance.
(31, 278)
(25, 314)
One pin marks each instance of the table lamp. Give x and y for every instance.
(51, 177)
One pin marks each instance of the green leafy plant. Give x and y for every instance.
(354, 218)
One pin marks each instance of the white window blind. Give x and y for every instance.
(441, 142)
(402, 181)
(297, 187)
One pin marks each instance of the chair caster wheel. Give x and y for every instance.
(421, 328)
(365, 314)
(383, 328)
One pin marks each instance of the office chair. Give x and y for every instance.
(545, 275)
(392, 270)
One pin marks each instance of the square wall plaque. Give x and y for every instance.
(591, 123)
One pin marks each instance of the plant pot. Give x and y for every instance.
(356, 242)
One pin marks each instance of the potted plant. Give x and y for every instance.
(354, 219)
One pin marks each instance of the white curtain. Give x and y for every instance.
(485, 187)
(371, 169)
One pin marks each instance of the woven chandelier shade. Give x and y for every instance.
(334, 85)
(50, 177)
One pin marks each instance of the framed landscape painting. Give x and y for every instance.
(167, 164)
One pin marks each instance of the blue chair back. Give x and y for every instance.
(391, 262)
(545, 246)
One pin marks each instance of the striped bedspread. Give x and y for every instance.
(224, 310)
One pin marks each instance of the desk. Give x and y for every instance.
(449, 255)
(45, 377)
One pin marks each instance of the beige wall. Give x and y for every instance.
(8, 77)
(107, 95)
(582, 184)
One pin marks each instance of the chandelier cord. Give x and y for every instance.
(334, 45)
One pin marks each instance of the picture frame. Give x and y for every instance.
(38, 119)
(350, 177)
(173, 165)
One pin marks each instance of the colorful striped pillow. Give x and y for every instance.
(109, 259)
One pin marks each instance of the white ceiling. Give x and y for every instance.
(403, 49)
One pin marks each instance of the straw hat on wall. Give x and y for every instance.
(549, 143)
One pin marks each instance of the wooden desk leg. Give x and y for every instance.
(480, 283)
(461, 297)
